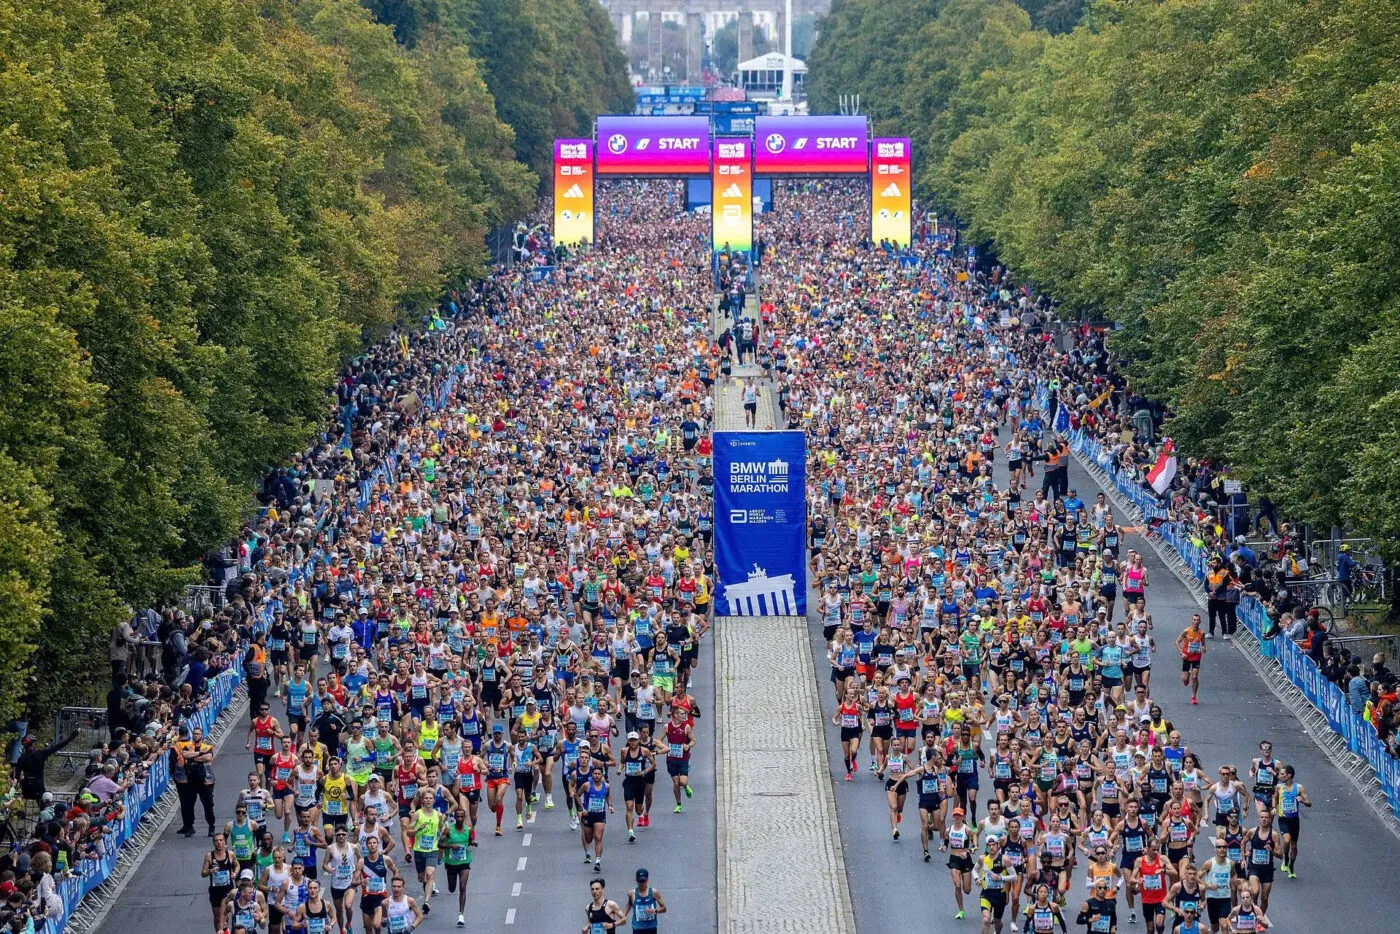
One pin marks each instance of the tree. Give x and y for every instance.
(205, 207)
(1218, 176)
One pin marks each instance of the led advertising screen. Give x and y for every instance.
(653, 145)
(810, 145)
(732, 200)
(890, 204)
(573, 191)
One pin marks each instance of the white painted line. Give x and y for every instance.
(510, 916)
(515, 889)
(520, 864)
(525, 840)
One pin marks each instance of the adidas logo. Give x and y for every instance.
(574, 192)
(732, 192)
(890, 192)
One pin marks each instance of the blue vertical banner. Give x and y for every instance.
(761, 523)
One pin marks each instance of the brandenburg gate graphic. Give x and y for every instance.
(749, 598)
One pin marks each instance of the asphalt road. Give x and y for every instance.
(1343, 847)
(535, 881)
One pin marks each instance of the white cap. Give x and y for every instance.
(634, 735)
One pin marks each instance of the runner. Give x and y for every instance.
(601, 915)
(1289, 795)
(221, 869)
(595, 796)
(457, 859)
(644, 904)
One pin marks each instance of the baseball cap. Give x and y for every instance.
(958, 812)
(48, 797)
(498, 728)
(643, 875)
(634, 735)
(245, 876)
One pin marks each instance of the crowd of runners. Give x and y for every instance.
(506, 626)
(992, 644)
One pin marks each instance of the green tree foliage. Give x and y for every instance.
(1222, 177)
(551, 65)
(204, 205)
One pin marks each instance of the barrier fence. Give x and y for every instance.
(88, 874)
(1297, 667)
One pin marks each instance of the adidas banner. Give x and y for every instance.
(761, 523)
(573, 191)
(890, 202)
(731, 181)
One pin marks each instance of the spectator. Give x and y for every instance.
(30, 766)
(124, 640)
(1358, 689)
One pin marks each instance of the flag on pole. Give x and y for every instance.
(1062, 419)
(1162, 472)
(1101, 399)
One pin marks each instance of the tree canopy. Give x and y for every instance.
(205, 206)
(1220, 176)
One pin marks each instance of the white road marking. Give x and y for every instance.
(510, 916)
(525, 841)
(515, 889)
(520, 864)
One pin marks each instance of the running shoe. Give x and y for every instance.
(631, 837)
(927, 857)
(535, 797)
(1132, 915)
(848, 776)
(519, 823)
(461, 921)
(688, 792)
(587, 856)
(960, 915)
(678, 809)
(597, 865)
(895, 834)
(549, 802)
(427, 909)
(498, 830)
(1194, 701)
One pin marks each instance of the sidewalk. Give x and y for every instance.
(780, 861)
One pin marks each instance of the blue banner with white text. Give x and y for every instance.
(761, 523)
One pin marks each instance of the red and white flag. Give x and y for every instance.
(1161, 475)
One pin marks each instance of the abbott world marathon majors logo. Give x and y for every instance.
(758, 476)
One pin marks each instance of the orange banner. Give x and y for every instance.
(573, 191)
(891, 205)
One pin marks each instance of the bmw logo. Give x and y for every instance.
(775, 142)
(617, 144)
